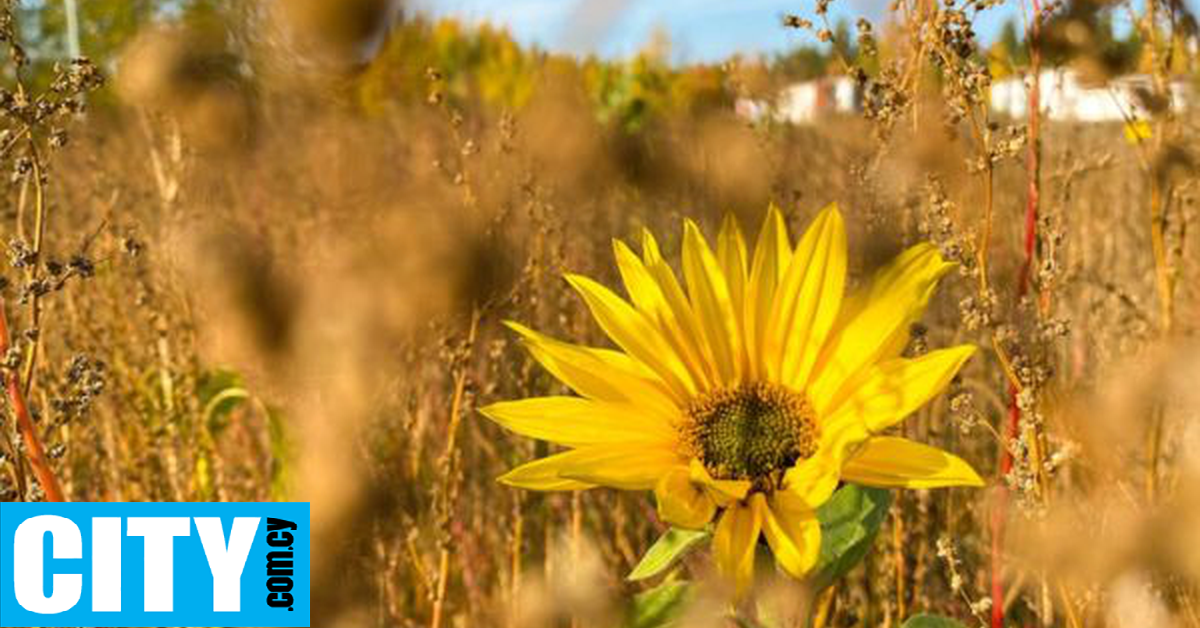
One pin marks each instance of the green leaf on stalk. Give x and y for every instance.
(220, 392)
(672, 546)
(930, 621)
(659, 607)
(850, 520)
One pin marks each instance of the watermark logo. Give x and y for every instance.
(154, 564)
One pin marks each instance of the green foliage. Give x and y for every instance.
(628, 94)
(480, 64)
(844, 42)
(633, 94)
(104, 26)
(1090, 23)
(660, 606)
(1009, 53)
(220, 392)
(802, 63)
(930, 621)
(468, 66)
(485, 65)
(669, 549)
(849, 522)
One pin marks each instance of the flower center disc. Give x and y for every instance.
(751, 432)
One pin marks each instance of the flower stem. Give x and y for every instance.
(1032, 207)
(460, 383)
(33, 445)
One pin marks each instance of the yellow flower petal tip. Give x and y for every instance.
(966, 351)
(961, 474)
(621, 249)
(893, 462)
(759, 336)
(576, 280)
(542, 475)
(958, 356)
(520, 329)
(974, 480)
(943, 265)
(1138, 131)
(513, 479)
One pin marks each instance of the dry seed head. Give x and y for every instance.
(751, 432)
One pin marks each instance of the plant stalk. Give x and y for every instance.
(25, 426)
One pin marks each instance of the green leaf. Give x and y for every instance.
(849, 522)
(660, 606)
(930, 621)
(220, 392)
(211, 382)
(673, 545)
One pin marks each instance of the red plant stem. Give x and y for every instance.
(33, 445)
(1033, 200)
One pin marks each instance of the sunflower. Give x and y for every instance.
(748, 397)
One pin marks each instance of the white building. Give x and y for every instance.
(806, 102)
(1064, 97)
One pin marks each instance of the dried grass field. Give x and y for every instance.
(269, 261)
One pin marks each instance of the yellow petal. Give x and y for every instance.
(542, 475)
(683, 503)
(731, 253)
(839, 439)
(711, 301)
(677, 301)
(772, 253)
(638, 283)
(632, 332)
(723, 492)
(599, 374)
(809, 484)
(895, 389)
(794, 535)
(651, 252)
(693, 333)
(1138, 131)
(576, 422)
(630, 466)
(809, 299)
(876, 319)
(736, 536)
(677, 324)
(888, 462)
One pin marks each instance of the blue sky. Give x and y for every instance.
(700, 30)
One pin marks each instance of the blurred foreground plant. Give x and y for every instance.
(34, 124)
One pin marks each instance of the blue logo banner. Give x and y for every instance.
(154, 564)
